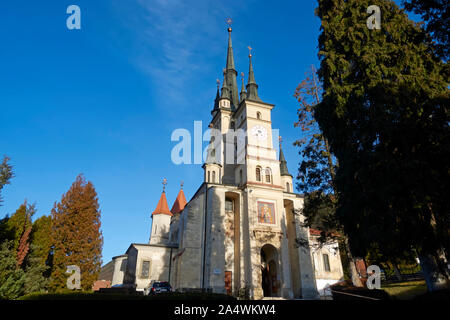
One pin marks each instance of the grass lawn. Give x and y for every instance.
(405, 290)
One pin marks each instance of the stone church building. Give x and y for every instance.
(239, 232)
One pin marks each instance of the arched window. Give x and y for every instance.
(214, 177)
(258, 115)
(258, 173)
(268, 175)
(209, 177)
(287, 187)
(326, 262)
(241, 180)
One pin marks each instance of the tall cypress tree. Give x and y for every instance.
(77, 237)
(384, 113)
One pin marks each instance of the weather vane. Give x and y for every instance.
(218, 83)
(280, 139)
(182, 183)
(249, 51)
(229, 22)
(164, 184)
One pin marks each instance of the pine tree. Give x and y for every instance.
(384, 113)
(77, 238)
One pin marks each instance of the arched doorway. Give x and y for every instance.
(269, 259)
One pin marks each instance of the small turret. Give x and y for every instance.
(161, 220)
(286, 177)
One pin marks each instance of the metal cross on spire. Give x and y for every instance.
(218, 83)
(164, 184)
(280, 139)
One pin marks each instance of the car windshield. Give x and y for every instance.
(161, 285)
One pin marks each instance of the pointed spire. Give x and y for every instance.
(283, 163)
(252, 87)
(243, 92)
(180, 202)
(216, 101)
(225, 92)
(230, 71)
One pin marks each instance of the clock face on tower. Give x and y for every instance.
(259, 132)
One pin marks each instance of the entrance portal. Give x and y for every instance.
(269, 258)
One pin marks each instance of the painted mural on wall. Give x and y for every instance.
(266, 212)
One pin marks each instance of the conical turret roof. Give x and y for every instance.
(162, 207)
(283, 164)
(180, 202)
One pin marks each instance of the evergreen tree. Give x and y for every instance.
(384, 113)
(6, 174)
(19, 222)
(436, 15)
(41, 240)
(12, 279)
(16, 281)
(77, 238)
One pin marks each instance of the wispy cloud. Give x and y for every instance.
(176, 41)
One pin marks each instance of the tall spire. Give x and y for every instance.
(230, 71)
(252, 87)
(243, 92)
(216, 101)
(283, 163)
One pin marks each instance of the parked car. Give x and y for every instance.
(159, 287)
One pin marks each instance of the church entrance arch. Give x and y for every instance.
(269, 271)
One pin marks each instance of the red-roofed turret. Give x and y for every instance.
(180, 202)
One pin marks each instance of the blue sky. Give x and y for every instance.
(104, 100)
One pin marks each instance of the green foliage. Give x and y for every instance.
(20, 221)
(384, 113)
(436, 14)
(15, 281)
(6, 174)
(41, 240)
(12, 279)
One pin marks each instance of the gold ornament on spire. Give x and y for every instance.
(229, 22)
(249, 51)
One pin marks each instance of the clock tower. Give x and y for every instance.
(248, 199)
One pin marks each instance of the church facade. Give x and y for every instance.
(240, 232)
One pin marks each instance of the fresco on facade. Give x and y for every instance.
(266, 212)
